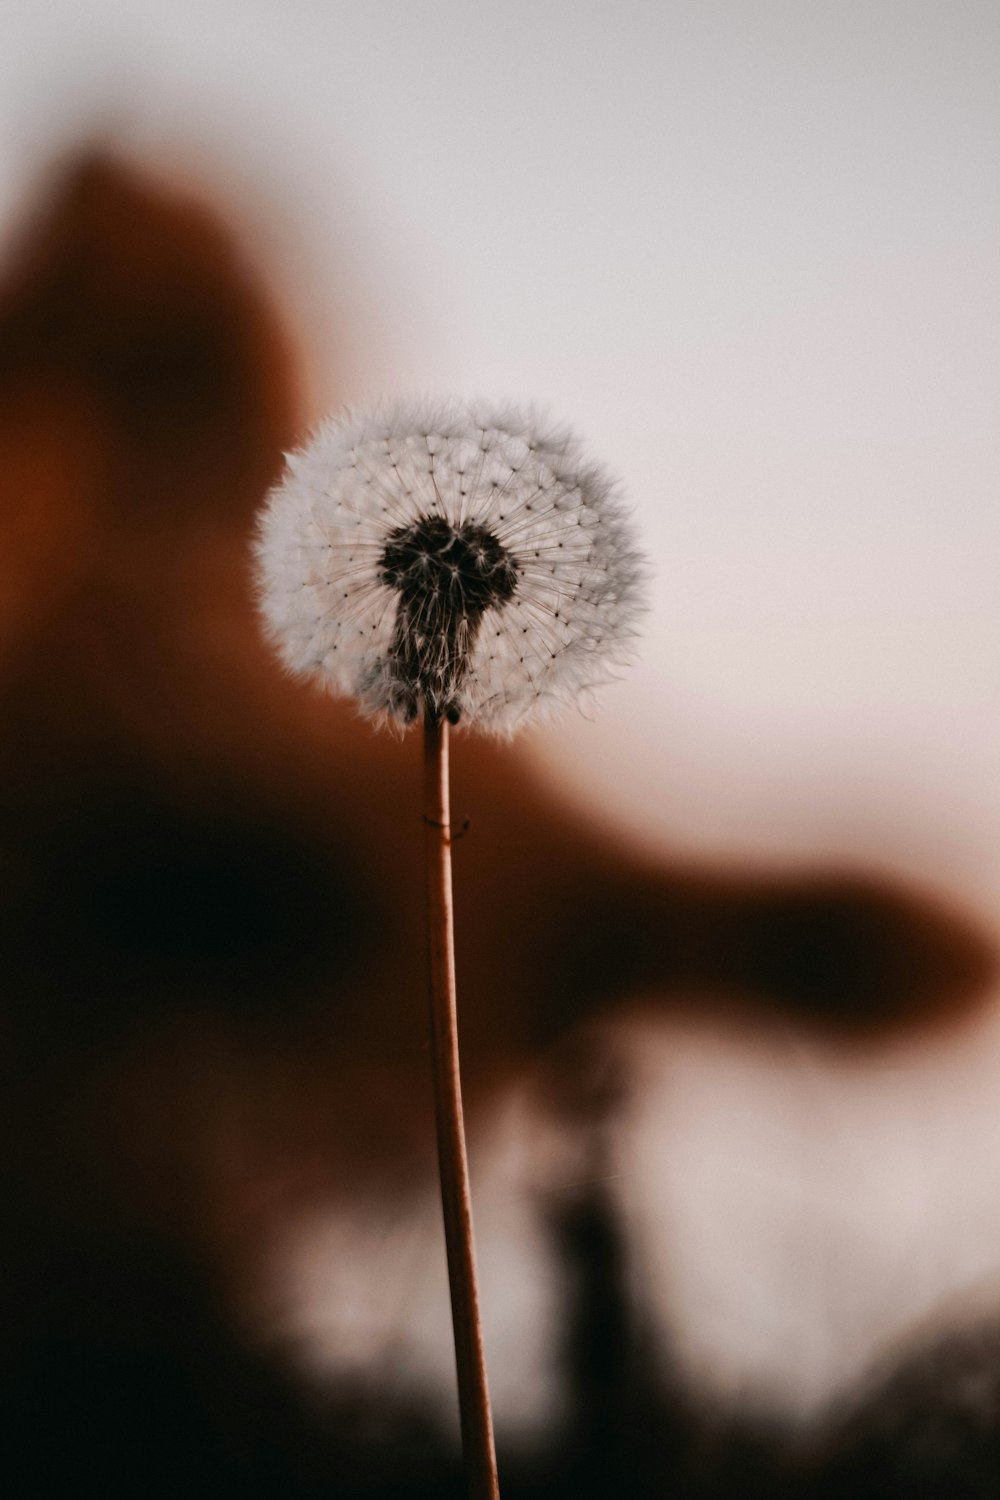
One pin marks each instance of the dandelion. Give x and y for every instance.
(464, 560)
(463, 564)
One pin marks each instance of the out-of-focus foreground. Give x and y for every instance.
(221, 1266)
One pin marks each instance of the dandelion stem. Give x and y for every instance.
(473, 1393)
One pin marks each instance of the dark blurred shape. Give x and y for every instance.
(120, 1375)
(829, 944)
(132, 297)
(927, 1425)
(843, 952)
(211, 924)
(627, 1430)
(135, 907)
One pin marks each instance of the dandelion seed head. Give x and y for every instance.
(464, 559)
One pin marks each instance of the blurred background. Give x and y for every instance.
(727, 951)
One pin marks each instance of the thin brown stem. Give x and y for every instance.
(473, 1393)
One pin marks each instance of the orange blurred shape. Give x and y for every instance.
(213, 874)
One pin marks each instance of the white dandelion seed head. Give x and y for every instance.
(462, 560)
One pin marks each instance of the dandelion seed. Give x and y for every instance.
(433, 521)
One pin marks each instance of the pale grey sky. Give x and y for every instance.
(749, 248)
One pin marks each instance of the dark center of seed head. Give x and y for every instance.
(447, 577)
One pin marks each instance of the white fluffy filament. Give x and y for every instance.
(520, 588)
